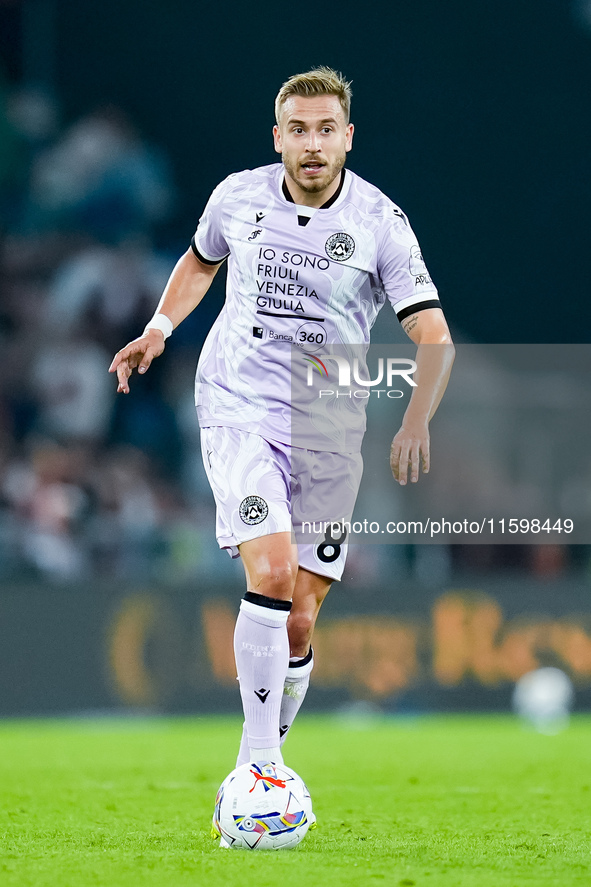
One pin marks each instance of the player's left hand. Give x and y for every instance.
(410, 447)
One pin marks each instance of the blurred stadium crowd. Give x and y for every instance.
(91, 484)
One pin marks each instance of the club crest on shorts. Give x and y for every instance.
(340, 247)
(253, 510)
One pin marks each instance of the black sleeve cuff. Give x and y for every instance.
(419, 306)
(202, 258)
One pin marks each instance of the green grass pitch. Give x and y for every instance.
(433, 801)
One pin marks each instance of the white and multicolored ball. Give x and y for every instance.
(262, 806)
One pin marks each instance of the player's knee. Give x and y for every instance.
(277, 579)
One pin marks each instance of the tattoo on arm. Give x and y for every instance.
(409, 323)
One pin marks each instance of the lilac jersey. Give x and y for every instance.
(297, 276)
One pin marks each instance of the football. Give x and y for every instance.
(262, 806)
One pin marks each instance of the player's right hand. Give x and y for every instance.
(137, 354)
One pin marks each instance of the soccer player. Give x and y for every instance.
(313, 252)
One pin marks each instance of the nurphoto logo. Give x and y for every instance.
(348, 373)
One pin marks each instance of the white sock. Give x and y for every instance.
(295, 688)
(261, 648)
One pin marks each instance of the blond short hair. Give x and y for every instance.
(319, 81)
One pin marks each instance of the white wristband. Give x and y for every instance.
(160, 322)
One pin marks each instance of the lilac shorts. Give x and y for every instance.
(262, 487)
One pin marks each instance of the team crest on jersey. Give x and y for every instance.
(340, 247)
(253, 510)
(416, 262)
(417, 266)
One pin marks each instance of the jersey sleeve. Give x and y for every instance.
(209, 241)
(402, 269)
